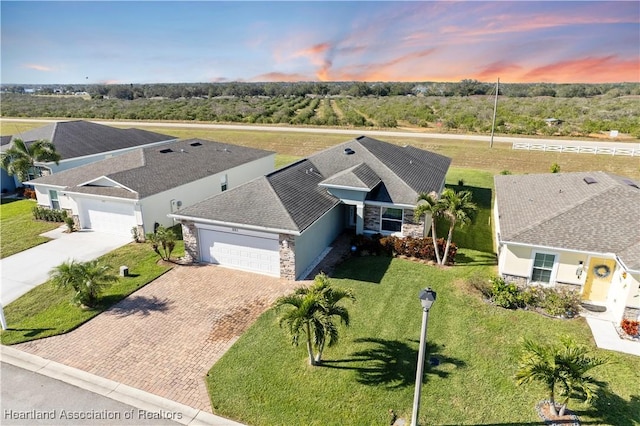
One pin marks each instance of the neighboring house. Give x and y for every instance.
(81, 142)
(282, 224)
(140, 188)
(579, 230)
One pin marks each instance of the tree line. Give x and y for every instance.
(543, 115)
(466, 87)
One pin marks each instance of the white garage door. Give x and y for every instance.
(107, 216)
(246, 250)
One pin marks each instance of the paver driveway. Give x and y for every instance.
(164, 338)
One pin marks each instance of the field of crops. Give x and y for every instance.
(470, 114)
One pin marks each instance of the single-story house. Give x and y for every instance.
(282, 224)
(80, 142)
(579, 230)
(141, 187)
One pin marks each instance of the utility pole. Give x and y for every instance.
(495, 108)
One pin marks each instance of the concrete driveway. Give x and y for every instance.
(165, 337)
(30, 268)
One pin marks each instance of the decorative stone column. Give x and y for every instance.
(287, 256)
(190, 238)
(411, 229)
(372, 218)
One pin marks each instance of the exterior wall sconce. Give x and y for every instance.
(580, 269)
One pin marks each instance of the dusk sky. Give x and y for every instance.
(207, 41)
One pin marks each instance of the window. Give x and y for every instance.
(223, 183)
(542, 267)
(53, 195)
(391, 220)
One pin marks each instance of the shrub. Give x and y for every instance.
(555, 168)
(419, 248)
(630, 327)
(49, 215)
(69, 222)
(370, 245)
(460, 182)
(506, 295)
(505, 172)
(560, 302)
(163, 242)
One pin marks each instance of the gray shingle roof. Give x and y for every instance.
(360, 176)
(293, 197)
(80, 138)
(152, 170)
(563, 211)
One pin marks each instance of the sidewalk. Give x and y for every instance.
(111, 389)
(606, 337)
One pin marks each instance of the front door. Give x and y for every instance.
(598, 280)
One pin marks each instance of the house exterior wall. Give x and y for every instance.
(373, 222)
(515, 261)
(315, 239)
(623, 296)
(156, 207)
(633, 281)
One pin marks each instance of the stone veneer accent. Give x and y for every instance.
(517, 280)
(287, 256)
(190, 238)
(632, 314)
(75, 217)
(371, 218)
(411, 229)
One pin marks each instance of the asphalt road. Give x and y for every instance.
(356, 132)
(28, 398)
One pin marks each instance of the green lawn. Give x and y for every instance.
(264, 380)
(46, 311)
(18, 230)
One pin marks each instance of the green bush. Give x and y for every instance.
(49, 215)
(506, 295)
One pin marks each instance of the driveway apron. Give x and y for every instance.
(30, 268)
(166, 336)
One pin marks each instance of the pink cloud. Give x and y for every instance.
(610, 69)
(280, 76)
(38, 67)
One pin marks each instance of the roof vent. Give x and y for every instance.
(348, 151)
(631, 183)
(166, 150)
(589, 180)
(195, 144)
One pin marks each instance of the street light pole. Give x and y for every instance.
(427, 297)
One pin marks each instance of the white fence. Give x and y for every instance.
(631, 152)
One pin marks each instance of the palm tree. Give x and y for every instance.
(458, 209)
(429, 203)
(311, 311)
(20, 159)
(87, 279)
(564, 365)
(330, 297)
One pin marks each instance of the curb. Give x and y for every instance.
(111, 389)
